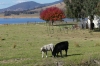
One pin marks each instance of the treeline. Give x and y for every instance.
(81, 8)
(8, 13)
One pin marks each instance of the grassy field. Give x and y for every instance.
(20, 45)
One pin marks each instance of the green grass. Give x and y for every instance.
(20, 45)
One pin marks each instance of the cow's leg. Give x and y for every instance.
(61, 53)
(46, 54)
(66, 51)
(42, 54)
(57, 54)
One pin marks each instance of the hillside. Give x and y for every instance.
(60, 5)
(32, 12)
(22, 6)
(27, 6)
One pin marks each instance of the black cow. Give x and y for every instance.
(59, 47)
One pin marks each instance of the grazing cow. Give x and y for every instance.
(46, 48)
(59, 47)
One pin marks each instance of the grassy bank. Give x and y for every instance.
(20, 45)
(21, 16)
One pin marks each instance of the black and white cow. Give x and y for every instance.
(59, 47)
(46, 48)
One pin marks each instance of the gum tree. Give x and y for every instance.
(98, 12)
(81, 8)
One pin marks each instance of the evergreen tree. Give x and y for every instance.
(98, 9)
(81, 8)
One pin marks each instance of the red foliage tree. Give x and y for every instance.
(52, 14)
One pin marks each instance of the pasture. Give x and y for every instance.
(20, 45)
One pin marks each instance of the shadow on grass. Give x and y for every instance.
(67, 55)
(74, 55)
(96, 30)
(63, 24)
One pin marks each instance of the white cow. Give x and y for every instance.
(46, 48)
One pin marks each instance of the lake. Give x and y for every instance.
(19, 20)
(25, 20)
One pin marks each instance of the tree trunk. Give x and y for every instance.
(91, 22)
(52, 23)
(99, 26)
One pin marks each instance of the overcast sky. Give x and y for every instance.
(8, 3)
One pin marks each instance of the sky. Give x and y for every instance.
(8, 3)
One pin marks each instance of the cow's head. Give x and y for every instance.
(41, 49)
(53, 54)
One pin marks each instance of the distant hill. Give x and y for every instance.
(22, 6)
(27, 5)
(60, 5)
